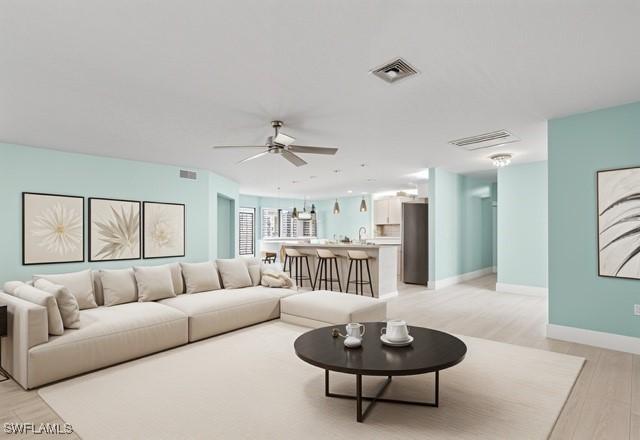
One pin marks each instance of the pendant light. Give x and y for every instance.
(336, 207)
(363, 205)
(294, 214)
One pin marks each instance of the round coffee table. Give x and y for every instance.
(430, 352)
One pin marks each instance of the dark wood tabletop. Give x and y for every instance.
(431, 350)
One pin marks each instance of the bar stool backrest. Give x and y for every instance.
(358, 255)
(326, 253)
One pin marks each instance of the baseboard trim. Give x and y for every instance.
(446, 282)
(522, 290)
(610, 341)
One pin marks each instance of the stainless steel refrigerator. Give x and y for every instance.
(415, 243)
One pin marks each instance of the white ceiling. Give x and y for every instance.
(162, 81)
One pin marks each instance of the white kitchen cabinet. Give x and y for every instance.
(395, 210)
(381, 212)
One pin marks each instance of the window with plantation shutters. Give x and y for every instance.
(246, 224)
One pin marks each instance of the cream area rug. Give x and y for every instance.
(249, 384)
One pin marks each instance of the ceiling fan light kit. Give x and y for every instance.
(282, 144)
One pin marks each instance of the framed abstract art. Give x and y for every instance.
(618, 193)
(114, 229)
(164, 230)
(52, 228)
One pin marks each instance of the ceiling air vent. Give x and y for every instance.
(485, 140)
(394, 71)
(186, 174)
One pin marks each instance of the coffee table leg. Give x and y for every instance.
(360, 415)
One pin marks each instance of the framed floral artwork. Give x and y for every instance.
(618, 193)
(52, 228)
(114, 229)
(164, 230)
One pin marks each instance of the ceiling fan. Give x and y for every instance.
(282, 144)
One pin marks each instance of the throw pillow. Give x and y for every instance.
(48, 301)
(11, 286)
(200, 277)
(80, 284)
(67, 304)
(234, 273)
(255, 269)
(154, 283)
(176, 277)
(118, 286)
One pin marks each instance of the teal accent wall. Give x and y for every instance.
(461, 226)
(522, 224)
(42, 170)
(226, 227)
(579, 146)
(348, 221)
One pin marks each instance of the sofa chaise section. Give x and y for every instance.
(220, 311)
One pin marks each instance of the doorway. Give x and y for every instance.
(226, 227)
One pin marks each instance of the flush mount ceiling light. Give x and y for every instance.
(501, 160)
(394, 71)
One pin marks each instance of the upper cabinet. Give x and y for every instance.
(388, 211)
(381, 212)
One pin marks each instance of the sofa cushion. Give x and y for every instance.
(11, 286)
(254, 265)
(107, 336)
(234, 273)
(219, 311)
(331, 308)
(200, 277)
(118, 286)
(48, 301)
(67, 303)
(80, 285)
(154, 283)
(176, 277)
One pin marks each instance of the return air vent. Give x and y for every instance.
(394, 71)
(186, 174)
(485, 140)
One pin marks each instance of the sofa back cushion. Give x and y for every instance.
(118, 286)
(48, 301)
(176, 277)
(234, 273)
(200, 277)
(80, 285)
(154, 283)
(254, 265)
(67, 303)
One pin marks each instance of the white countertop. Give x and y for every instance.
(342, 245)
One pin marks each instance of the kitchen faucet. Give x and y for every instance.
(362, 231)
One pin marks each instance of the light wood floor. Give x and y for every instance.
(604, 404)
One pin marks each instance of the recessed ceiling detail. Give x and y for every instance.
(485, 140)
(394, 71)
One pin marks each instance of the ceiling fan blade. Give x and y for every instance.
(255, 156)
(296, 160)
(219, 147)
(283, 139)
(311, 150)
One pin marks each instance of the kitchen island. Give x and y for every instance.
(383, 263)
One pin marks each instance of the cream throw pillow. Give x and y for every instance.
(234, 273)
(154, 283)
(48, 301)
(255, 269)
(67, 304)
(200, 277)
(11, 286)
(80, 284)
(118, 286)
(176, 277)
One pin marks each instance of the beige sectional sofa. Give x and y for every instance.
(114, 334)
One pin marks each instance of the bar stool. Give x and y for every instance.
(324, 273)
(360, 258)
(269, 257)
(295, 259)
